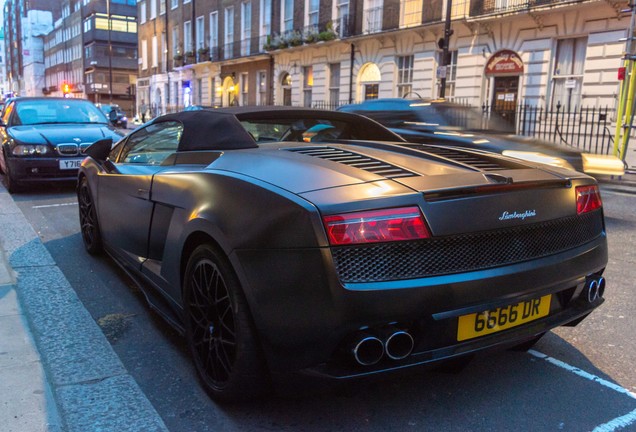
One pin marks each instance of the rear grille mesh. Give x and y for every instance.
(356, 160)
(466, 252)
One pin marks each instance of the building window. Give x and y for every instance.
(451, 73)
(265, 22)
(410, 13)
(312, 14)
(288, 15)
(567, 78)
(261, 82)
(162, 7)
(200, 42)
(187, 37)
(372, 21)
(244, 88)
(175, 41)
(246, 27)
(144, 54)
(174, 4)
(308, 83)
(229, 32)
(343, 18)
(155, 52)
(153, 9)
(405, 75)
(334, 84)
(142, 12)
(214, 33)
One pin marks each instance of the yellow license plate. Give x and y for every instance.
(495, 320)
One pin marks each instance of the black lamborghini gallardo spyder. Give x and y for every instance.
(300, 241)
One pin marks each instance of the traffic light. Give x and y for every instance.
(66, 88)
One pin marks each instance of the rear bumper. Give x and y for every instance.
(304, 314)
(33, 170)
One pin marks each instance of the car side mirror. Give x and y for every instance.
(100, 149)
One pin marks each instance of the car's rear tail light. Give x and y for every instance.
(588, 198)
(396, 224)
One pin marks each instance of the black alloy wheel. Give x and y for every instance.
(219, 329)
(88, 219)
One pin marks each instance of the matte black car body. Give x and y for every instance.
(261, 205)
(61, 141)
(446, 123)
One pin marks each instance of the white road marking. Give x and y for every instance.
(617, 423)
(613, 425)
(54, 205)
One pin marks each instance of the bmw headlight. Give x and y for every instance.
(30, 150)
(539, 158)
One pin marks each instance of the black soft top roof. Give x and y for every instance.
(210, 130)
(221, 128)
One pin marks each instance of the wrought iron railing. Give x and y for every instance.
(484, 7)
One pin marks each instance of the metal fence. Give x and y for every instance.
(587, 128)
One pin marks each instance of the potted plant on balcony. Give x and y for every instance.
(189, 57)
(310, 36)
(178, 59)
(204, 54)
(295, 38)
(328, 33)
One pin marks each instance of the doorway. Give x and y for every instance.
(504, 101)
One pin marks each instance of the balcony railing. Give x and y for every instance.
(485, 7)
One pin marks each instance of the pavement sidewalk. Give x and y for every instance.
(57, 370)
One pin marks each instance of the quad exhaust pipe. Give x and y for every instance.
(594, 288)
(368, 348)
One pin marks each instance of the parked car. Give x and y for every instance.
(277, 249)
(439, 121)
(44, 139)
(115, 115)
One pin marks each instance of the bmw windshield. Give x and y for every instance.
(52, 111)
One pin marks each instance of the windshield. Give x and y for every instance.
(48, 111)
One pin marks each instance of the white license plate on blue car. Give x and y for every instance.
(66, 164)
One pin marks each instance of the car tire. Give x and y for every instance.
(12, 184)
(88, 219)
(219, 329)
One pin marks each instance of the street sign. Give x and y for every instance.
(441, 72)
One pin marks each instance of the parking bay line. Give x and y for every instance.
(613, 425)
(54, 205)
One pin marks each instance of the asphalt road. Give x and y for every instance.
(575, 379)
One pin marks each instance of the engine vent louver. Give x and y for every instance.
(356, 160)
(475, 160)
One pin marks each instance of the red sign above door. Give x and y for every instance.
(504, 62)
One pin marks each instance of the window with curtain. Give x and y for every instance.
(334, 83)
(265, 21)
(187, 37)
(567, 76)
(405, 75)
(411, 13)
(308, 83)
